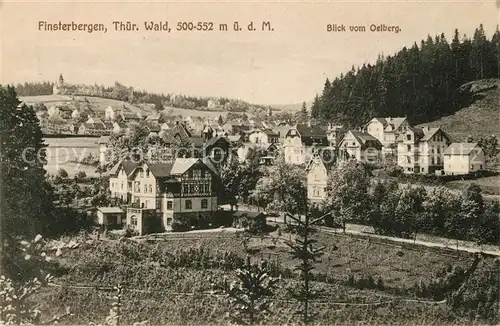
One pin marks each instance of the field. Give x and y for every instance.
(62, 151)
(171, 111)
(168, 281)
(489, 185)
(99, 104)
(478, 119)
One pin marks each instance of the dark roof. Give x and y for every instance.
(160, 170)
(310, 131)
(366, 140)
(212, 141)
(196, 141)
(270, 133)
(128, 167)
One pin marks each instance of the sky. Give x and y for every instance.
(284, 66)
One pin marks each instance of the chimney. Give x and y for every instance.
(425, 128)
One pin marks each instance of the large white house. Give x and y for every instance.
(302, 142)
(421, 150)
(463, 158)
(387, 131)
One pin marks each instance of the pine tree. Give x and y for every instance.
(303, 249)
(25, 197)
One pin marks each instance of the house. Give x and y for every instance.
(213, 103)
(217, 148)
(129, 117)
(463, 158)
(167, 125)
(268, 152)
(164, 192)
(178, 133)
(263, 137)
(95, 129)
(421, 150)
(302, 141)
(281, 129)
(119, 127)
(120, 181)
(103, 142)
(94, 120)
(63, 112)
(387, 131)
(111, 217)
(335, 134)
(360, 146)
(109, 126)
(155, 117)
(317, 177)
(110, 113)
(74, 127)
(75, 114)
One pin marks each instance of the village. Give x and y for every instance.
(187, 186)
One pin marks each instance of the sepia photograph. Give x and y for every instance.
(249, 162)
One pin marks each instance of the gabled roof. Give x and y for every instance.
(181, 165)
(160, 170)
(208, 162)
(395, 122)
(128, 167)
(326, 159)
(103, 140)
(364, 139)
(212, 141)
(461, 148)
(429, 133)
(108, 124)
(310, 131)
(154, 116)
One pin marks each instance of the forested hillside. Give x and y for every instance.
(422, 82)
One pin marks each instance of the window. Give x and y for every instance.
(204, 203)
(141, 174)
(170, 205)
(185, 189)
(422, 169)
(191, 189)
(188, 204)
(190, 173)
(145, 188)
(408, 137)
(151, 188)
(147, 173)
(432, 160)
(408, 148)
(202, 173)
(133, 221)
(122, 185)
(169, 221)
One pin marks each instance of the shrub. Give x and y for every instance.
(62, 173)
(180, 226)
